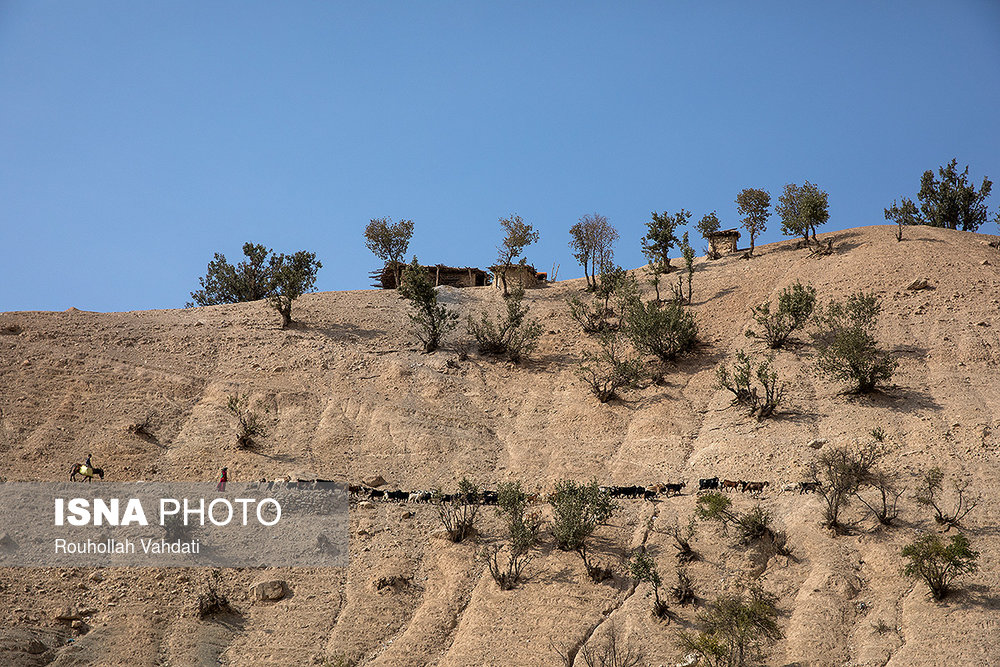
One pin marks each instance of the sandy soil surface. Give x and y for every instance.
(350, 396)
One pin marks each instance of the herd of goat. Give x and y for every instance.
(633, 492)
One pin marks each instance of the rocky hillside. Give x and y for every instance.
(350, 397)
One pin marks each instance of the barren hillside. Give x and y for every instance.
(351, 397)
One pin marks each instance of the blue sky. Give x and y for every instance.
(138, 138)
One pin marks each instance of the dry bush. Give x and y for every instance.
(615, 651)
(213, 603)
(840, 472)
(885, 505)
(610, 370)
(142, 427)
(682, 537)
(930, 493)
(458, 514)
(740, 385)
(512, 334)
(249, 422)
(683, 592)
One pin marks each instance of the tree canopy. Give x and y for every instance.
(294, 275)
(753, 205)
(389, 242)
(430, 319)
(592, 241)
(953, 201)
(948, 199)
(709, 223)
(518, 236)
(250, 280)
(661, 236)
(278, 278)
(802, 209)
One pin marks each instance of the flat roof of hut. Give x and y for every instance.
(723, 234)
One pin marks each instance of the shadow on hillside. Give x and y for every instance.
(601, 550)
(541, 362)
(705, 357)
(344, 331)
(721, 293)
(899, 399)
(976, 595)
(258, 449)
(914, 352)
(992, 531)
(842, 241)
(793, 416)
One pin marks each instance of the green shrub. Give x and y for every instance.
(846, 347)
(577, 510)
(612, 369)
(735, 629)
(795, 307)
(642, 567)
(430, 319)
(938, 562)
(664, 330)
(751, 526)
(522, 535)
(591, 316)
(512, 334)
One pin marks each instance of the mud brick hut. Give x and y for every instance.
(723, 242)
(524, 275)
(439, 274)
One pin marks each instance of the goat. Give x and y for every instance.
(731, 484)
(809, 487)
(673, 489)
(754, 487)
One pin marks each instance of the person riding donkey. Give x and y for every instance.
(87, 469)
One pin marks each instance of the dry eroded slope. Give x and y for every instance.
(350, 397)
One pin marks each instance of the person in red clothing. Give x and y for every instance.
(223, 478)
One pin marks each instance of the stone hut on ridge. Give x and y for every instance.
(722, 242)
(524, 275)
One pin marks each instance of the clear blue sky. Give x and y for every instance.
(138, 138)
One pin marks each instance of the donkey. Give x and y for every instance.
(87, 473)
